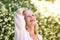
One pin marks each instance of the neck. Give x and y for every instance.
(30, 29)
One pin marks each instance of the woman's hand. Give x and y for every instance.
(20, 11)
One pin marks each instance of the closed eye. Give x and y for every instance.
(33, 15)
(28, 16)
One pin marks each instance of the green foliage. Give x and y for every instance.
(48, 26)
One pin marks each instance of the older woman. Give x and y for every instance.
(25, 25)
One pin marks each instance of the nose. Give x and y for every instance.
(32, 17)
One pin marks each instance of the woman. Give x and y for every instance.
(25, 25)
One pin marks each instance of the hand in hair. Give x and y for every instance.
(20, 11)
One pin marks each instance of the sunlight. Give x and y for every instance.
(51, 8)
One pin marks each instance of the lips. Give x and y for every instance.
(32, 20)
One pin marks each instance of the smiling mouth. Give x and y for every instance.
(32, 20)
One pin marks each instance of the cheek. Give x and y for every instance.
(27, 20)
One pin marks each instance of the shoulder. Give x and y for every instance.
(40, 37)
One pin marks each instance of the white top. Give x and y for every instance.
(20, 31)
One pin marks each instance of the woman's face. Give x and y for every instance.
(30, 17)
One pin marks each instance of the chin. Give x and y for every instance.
(33, 23)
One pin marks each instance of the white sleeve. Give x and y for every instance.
(19, 21)
(19, 27)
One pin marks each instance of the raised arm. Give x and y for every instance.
(19, 22)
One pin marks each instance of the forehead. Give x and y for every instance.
(27, 12)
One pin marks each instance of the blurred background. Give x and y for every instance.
(47, 14)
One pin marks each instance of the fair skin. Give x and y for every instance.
(30, 20)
